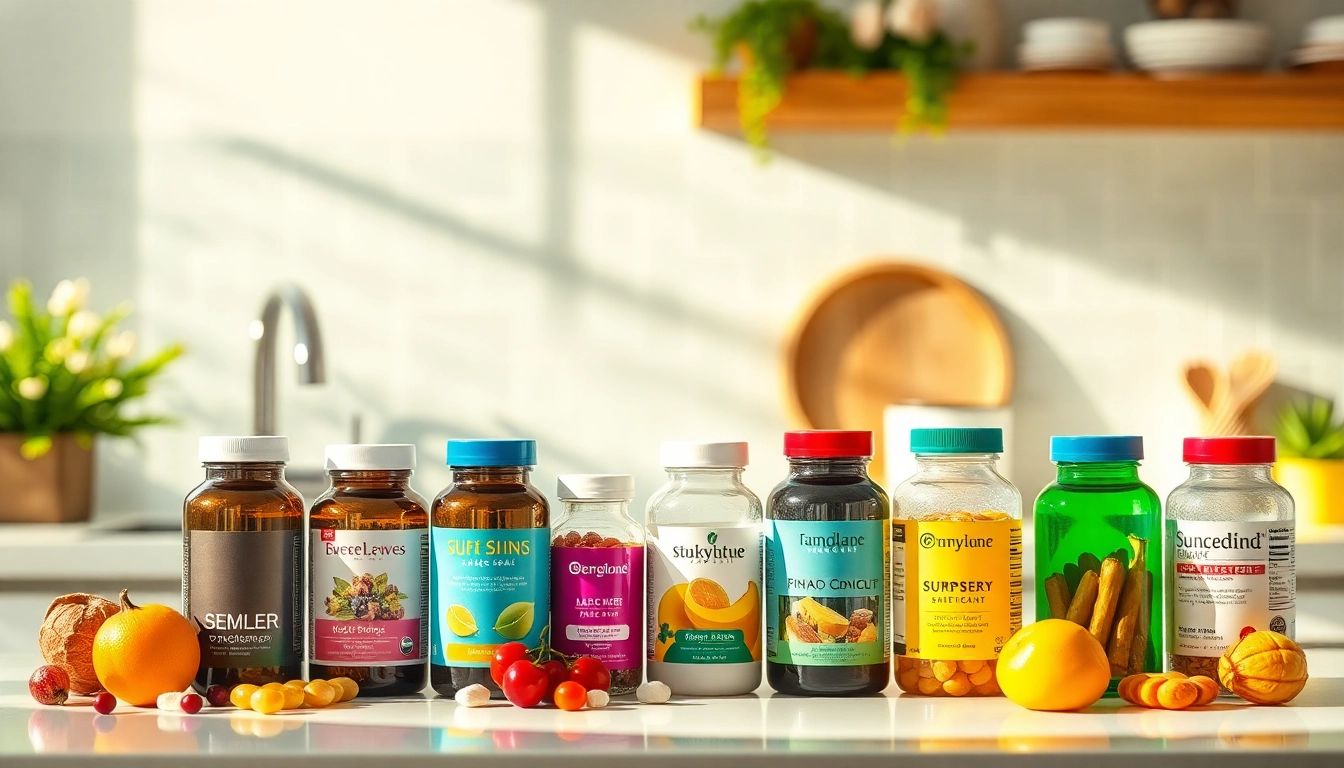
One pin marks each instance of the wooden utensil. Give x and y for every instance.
(1248, 378)
(1208, 385)
(889, 333)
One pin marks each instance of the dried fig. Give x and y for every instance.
(66, 637)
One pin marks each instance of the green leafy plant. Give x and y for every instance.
(68, 370)
(930, 68)
(774, 38)
(1307, 430)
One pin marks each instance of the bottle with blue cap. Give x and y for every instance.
(1098, 549)
(490, 562)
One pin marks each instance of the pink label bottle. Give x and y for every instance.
(597, 576)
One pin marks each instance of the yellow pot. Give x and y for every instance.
(1317, 486)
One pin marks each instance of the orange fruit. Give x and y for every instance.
(1053, 665)
(144, 651)
(708, 593)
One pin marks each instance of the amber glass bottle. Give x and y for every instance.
(369, 572)
(490, 561)
(242, 561)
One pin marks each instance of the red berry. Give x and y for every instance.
(49, 685)
(505, 655)
(590, 673)
(217, 695)
(556, 673)
(570, 696)
(525, 684)
(104, 703)
(190, 703)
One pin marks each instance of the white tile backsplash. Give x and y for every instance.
(510, 227)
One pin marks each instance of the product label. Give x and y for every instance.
(597, 601)
(956, 588)
(1231, 579)
(826, 592)
(704, 594)
(370, 592)
(243, 592)
(491, 586)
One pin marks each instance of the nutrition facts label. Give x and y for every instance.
(1231, 579)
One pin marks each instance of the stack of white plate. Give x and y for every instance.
(1322, 45)
(1066, 44)
(1195, 46)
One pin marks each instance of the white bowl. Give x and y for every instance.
(1316, 54)
(1198, 44)
(1066, 31)
(1329, 29)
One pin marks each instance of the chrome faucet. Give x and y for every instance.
(307, 350)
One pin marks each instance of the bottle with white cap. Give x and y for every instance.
(704, 564)
(242, 561)
(597, 576)
(369, 572)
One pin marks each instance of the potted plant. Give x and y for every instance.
(1311, 460)
(66, 376)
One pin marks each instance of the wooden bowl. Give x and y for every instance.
(892, 333)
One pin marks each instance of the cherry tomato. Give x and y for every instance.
(525, 684)
(590, 673)
(570, 696)
(505, 655)
(556, 673)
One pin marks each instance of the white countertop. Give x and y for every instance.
(754, 730)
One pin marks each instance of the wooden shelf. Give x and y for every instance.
(836, 101)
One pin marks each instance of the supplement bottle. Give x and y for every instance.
(242, 564)
(956, 564)
(826, 568)
(490, 563)
(1230, 563)
(369, 572)
(597, 576)
(1098, 549)
(704, 529)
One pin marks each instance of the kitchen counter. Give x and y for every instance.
(746, 731)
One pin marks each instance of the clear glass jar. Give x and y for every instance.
(242, 575)
(704, 525)
(826, 565)
(956, 564)
(1230, 555)
(1099, 517)
(597, 576)
(368, 571)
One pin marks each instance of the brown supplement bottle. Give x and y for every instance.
(490, 561)
(242, 561)
(369, 572)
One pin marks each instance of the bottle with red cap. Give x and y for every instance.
(1230, 562)
(827, 559)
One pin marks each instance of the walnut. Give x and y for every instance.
(858, 621)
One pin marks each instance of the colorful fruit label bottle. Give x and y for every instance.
(597, 576)
(704, 555)
(489, 561)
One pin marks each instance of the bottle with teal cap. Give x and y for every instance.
(1098, 549)
(490, 560)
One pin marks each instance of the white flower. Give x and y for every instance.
(121, 345)
(866, 25)
(6, 336)
(68, 296)
(58, 349)
(914, 20)
(77, 361)
(83, 324)
(33, 387)
(112, 388)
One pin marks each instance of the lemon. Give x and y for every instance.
(461, 622)
(1053, 665)
(515, 621)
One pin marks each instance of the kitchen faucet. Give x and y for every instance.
(307, 350)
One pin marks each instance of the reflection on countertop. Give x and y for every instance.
(755, 729)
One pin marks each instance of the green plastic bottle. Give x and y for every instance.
(1099, 549)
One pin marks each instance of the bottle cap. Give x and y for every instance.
(950, 440)
(828, 444)
(370, 457)
(595, 487)
(1229, 450)
(1095, 449)
(256, 449)
(679, 453)
(492, 453)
